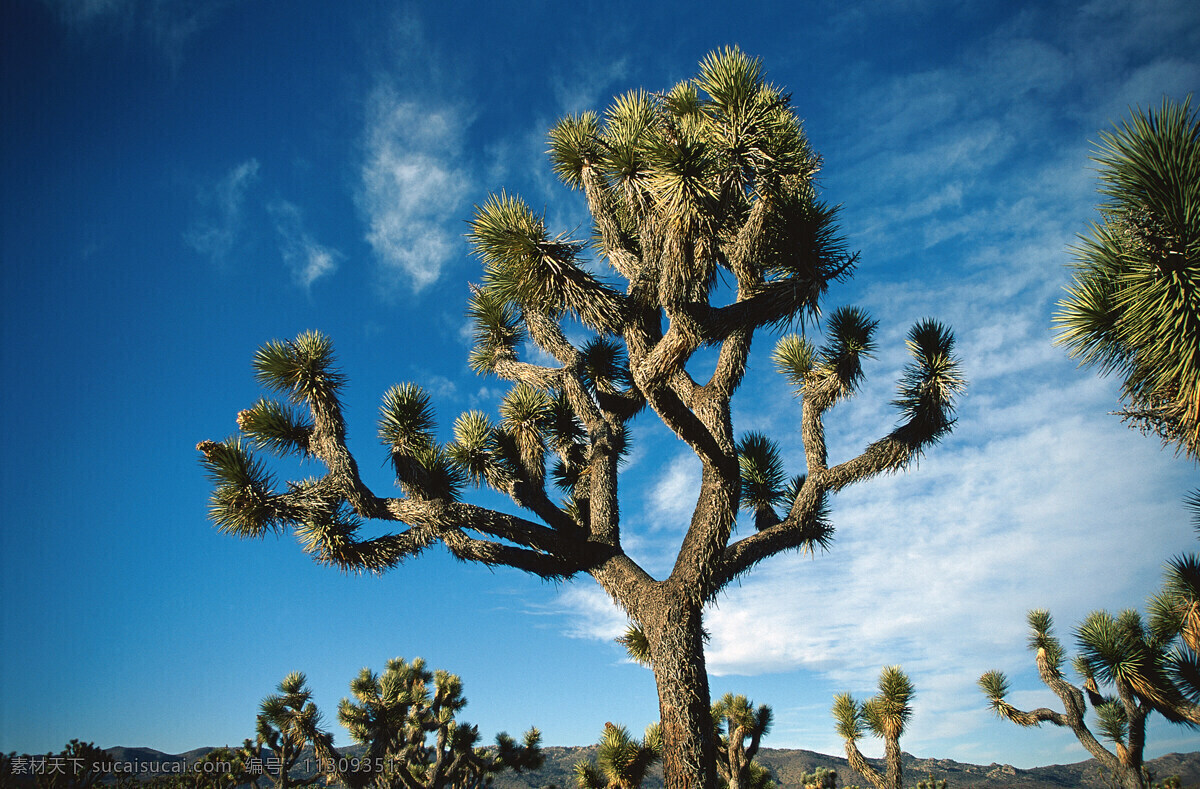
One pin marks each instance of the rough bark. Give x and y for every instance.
(676, 637)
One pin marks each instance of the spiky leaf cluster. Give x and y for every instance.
(276, 428)
(833, 371)
(303, 369)
(622, 761)
(931, 382)
(242, 501)
(820, 778)
(1134, 305)
(763, 478)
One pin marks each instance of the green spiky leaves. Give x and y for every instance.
(605, 366)
(887, 712)
(406, 425)
(303, 369)
(847, 716)
(242, 502)
(994, 685)
(524, 266)
(794, 358)
(275, 427)
(636, 644)
(622, 761)
(1134, 305)
(930, 384)
(1043, 641)
(497, 329)
(837, 366)
(573, 144)
(763, 478)
(473, 446)
(406, 418)
(526, 412)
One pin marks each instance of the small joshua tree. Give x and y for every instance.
(820, 778)
(886, 714)
(933, 783)
(289, 721)
(740, 728)
(622, 761)
(412, 738)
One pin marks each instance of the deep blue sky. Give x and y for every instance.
(182, 181)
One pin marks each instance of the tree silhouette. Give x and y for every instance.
(287, 723)
(412, 738)
(705, 208)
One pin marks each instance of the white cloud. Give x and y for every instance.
(413, 181)
(673, 494)
(412, 188)
(305, 258)
(217, 233)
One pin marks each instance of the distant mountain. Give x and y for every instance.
(786, 765)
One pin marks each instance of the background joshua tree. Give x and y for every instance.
(885, 714)
(705, 208)
(1116, 651)
(622, 761)
(1134, 307)
(288, 722)
(412, 738)
(740, 729)
(820, 778)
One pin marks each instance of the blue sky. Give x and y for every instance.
(183, 181)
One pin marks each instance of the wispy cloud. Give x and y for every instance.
(223, 202)
(413, 182)
(168, 25)
(305, 258)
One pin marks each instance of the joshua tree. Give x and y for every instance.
(287, 723)
(933, 783)
(412, 738)
(1118, 651)
(885, 714)
(705, 208)
(737, 721)
(1134, 307)
(622, 762)
(820, 778)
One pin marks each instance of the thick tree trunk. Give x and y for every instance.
(676, 640)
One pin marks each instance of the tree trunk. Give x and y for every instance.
(676, 638)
